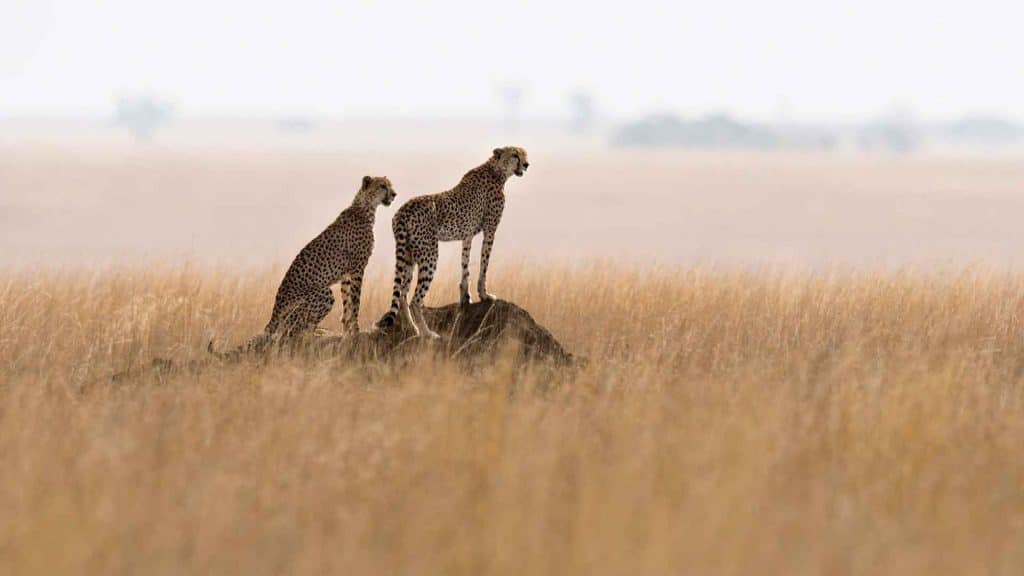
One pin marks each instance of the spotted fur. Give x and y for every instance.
(473, 206)
(338, 254)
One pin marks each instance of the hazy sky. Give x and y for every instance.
(807, 60)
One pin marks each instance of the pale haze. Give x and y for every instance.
(799, 60)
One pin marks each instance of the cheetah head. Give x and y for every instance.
(377, 190)
(511, 160)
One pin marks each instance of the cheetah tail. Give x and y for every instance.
(402, 264)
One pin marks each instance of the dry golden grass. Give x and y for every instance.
(727, 423)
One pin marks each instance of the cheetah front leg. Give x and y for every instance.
(343, 287)
(353, 288)
(467, 244)
(485, 256)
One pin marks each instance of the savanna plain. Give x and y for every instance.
(807, 415)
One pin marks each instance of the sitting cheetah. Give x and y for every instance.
(338, 254)
(473, 206)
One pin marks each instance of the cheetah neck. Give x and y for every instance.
(366, 210)
(490, 172)
(501, 173)
(365, 204)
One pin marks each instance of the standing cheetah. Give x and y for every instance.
(338, 254)
(473, 206)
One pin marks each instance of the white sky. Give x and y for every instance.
(812, 60)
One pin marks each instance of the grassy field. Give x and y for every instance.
(727, 423)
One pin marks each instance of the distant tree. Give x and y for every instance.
(295, 124)
(716, 131)
(895, 132)
(581, 119)
(142, 115)
(986, 130)
(889, 136)
(511, 98)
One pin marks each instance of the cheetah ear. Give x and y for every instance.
(497, 153)
(366, 182)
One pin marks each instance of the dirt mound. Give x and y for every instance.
(473, 331)
(476, 330)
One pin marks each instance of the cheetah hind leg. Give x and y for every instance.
(305, 314)
(425, 274)
(405, 315)
(420, 323)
